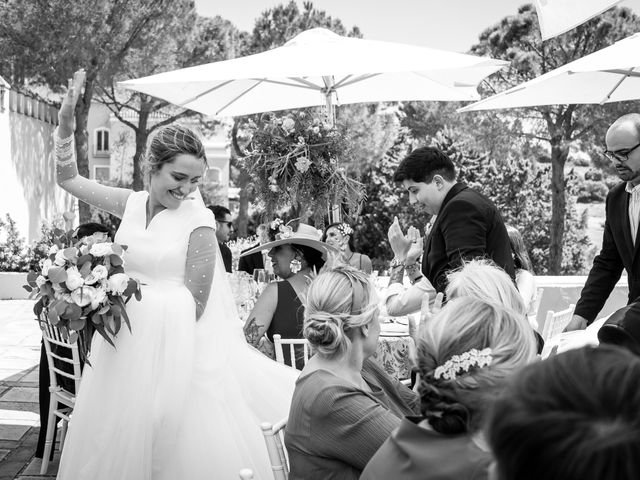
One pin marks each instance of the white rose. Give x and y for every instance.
(83, 296)
(40, 281)
(60, 260)
(99, 272)
(101, 296)
(53, 249)
(46, 265)
(90, 279)
(288, 125)
(101, 249)
(118, 283)
(84, 250)
(74, 279)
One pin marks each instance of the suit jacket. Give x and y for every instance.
(617, 253)
(468, 226)
(251, 262)
(227, 258)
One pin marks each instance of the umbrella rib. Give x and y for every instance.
(192, 99)
(305, 83)
(360, 78)
(625, 74)
(242, 94)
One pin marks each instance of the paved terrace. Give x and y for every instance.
(19, 418)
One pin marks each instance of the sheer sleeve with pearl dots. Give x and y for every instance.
(201, 260)
(109, 199)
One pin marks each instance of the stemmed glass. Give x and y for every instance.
(260, 277)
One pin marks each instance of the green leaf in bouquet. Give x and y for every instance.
(57, 274)
(100, 329)
(117, 322)
(77, 324)
(104, 309)
(138, 294)
(71, 254)
(116, 269)
(31, 278)
(27, 288)
(115, 260)
(116, 306)
(59, 306)
(124, 247)
(97, 319)
(108, 320)
(73, 336)
(38, 307)
(132, 286)
(64, 332)
(72, 312)
(54, 318)
(116, 249)
(84, 258)
(85, 269)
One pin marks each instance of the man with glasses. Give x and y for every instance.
(224, 227)
(620, 242)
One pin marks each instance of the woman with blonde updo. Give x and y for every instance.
(469, 351)
(344, 405)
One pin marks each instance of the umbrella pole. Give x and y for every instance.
(334, 209)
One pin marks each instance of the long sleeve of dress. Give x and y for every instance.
(201, 261)
(403, 301)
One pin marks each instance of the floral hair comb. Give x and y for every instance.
(462, 363)
(345, 229)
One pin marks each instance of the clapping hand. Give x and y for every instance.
(400, 244)
(416, 247)
(68, 106)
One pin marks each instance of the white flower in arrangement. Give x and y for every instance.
(84, 249)
(276, 223)
(83, 296)
(274, 188)
(100, 272)
(302, 165)
(46, 265)
(316, 130)
(100, 297)
(301, 140)
(74, 278)
(53, 249)
(60, 260)
(288, 125)
(101, 249)
(118, 283)
(40, 281)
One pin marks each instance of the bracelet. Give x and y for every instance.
(396, 263)
(63, 147)
(411, 268)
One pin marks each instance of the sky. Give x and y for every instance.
(447, 24)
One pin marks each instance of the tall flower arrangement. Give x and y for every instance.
(294, 161)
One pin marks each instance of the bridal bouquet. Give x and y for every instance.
(82, 287)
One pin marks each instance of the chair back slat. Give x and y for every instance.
(61, 350)
(279, 342)
(274, 439)
(556, 322)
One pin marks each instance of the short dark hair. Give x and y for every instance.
(573, 416)
(219, 212)
(89, 228)
(422, 164)
(312, 256)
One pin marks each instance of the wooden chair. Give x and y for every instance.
(556, 321)
(278, 342)
(60, 351)
(274, 438)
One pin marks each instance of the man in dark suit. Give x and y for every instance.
(619, 242)
(467, 225)
(256, 260)
(224, 227)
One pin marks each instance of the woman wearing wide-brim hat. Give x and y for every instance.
(295, 257)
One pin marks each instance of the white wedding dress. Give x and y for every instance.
(176, 399)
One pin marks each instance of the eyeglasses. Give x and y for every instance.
(620, 155)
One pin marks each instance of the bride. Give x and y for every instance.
(182, 395)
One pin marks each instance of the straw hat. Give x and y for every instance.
(304, 235)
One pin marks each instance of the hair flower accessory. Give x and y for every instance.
(345, 229)
(276, 224)
(285, 232)
(462, 363)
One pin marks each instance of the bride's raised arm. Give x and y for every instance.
(110, 199)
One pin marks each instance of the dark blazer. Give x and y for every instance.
(468, 226)
(227, 258)
(251, 262)
(617, 253)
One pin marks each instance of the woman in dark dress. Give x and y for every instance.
(295, 257)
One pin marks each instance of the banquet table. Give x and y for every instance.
(395, 354)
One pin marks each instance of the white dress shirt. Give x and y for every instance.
(634, 209)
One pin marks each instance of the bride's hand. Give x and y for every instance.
(68, 106)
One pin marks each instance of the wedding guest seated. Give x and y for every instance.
(622, 328)
(224, 227)
(295, 257)
(573, 416)
(44, 396)
(483, 279)
(469, 351)
(344, 405)
(257, 259)
(340, 236)
(525, 279)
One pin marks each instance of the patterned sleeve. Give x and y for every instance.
(109, 199)
(201, 261)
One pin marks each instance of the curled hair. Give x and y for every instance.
(573, 416)
(167, 143)
(458, 405)
(518, 249)
(339, 302)
(337, 225)
(483, 279)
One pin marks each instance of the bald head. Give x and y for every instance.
(623, 140)
(629, 122)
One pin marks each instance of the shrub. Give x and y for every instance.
(14, 253)
(590, 191)
(593, 174)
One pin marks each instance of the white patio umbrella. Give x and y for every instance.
(608, 75)
(319, 67)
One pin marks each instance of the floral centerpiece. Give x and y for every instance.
(82, 287)
(293, 161)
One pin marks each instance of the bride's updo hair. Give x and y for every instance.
(339, 302)
(457, 403)
(166, 143)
